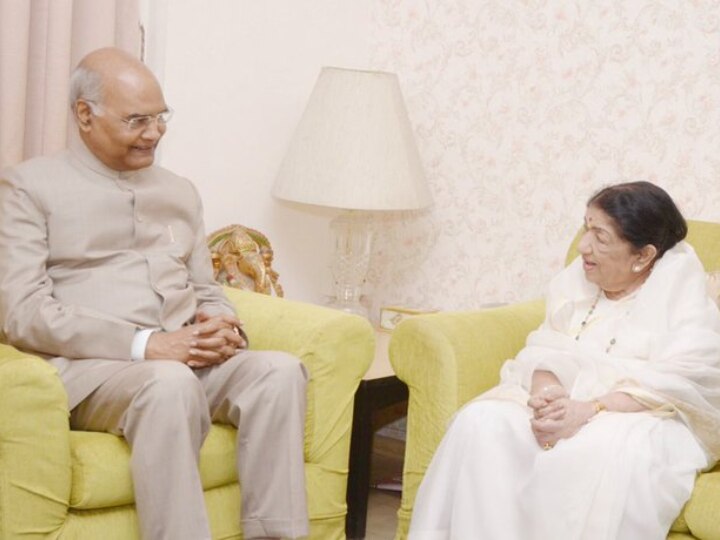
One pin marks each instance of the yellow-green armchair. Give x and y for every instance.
(58, 483)
(446, 359)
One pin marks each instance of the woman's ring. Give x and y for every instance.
(547, 446)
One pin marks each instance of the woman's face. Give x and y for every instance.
(608, 259)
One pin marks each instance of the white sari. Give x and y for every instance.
(623, 475)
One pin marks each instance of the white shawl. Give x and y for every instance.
(666, 352)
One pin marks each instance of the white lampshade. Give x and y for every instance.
(354, 147)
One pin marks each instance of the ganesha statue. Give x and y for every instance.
(242, 258)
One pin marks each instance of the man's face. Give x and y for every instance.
(107, 133)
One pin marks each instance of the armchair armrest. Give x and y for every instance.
(35, 466)
(446, 359)
(337, 349)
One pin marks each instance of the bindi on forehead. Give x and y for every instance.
(601, 226)
(592, 222)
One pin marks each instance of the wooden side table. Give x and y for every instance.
(380, 388)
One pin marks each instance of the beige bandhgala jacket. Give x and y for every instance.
(89, 255)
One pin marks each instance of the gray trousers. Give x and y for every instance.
(164, 410)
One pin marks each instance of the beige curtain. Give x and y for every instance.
(40, 42)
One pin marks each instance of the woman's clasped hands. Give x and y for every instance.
(556, 416)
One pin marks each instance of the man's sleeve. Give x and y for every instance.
(31, 318)
(210, 296)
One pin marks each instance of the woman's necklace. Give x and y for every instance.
(584, 322)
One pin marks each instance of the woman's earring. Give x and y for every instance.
(636, 268)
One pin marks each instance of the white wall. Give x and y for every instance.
(238, 74)
(521, 110)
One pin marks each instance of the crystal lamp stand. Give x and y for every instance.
(352, 236)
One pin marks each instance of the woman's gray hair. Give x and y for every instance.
(85, 84)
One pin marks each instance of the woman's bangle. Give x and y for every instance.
(599, 406)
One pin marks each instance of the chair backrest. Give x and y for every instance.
(703, 236)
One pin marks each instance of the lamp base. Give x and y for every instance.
(349, 306)
(352, 238)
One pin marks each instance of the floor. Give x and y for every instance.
(383, 504)
(382, 515)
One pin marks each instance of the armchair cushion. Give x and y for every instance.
(101, 467)
(701, 511)
(295, 327)
(35, 466)
(58, 483)
(447, 359)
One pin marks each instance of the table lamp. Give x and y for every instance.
(353, 149)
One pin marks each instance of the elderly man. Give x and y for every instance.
(105, 272)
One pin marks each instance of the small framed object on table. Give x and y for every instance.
(391, 316)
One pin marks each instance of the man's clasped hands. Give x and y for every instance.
(209, 340)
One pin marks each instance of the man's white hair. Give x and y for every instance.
(85, 84)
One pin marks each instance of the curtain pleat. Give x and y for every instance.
(14, 44)
(46, 111)
(40, 42)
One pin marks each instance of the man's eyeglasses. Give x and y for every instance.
(139, 122)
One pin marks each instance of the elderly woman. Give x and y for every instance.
(601, 423)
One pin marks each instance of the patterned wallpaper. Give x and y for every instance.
(522, 108)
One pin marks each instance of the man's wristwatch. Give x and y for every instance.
(240, 332)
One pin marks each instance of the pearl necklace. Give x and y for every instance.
(584, 322)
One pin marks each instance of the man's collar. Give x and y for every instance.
(90, 160)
